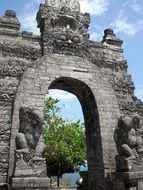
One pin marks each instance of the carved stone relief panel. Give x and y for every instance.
(128, 136)
(29, 159)
(8, 88)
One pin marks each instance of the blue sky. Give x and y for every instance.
(124, 16)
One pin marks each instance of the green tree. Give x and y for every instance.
(65, 147)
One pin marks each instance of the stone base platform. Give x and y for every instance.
(30, 183)
(129, 180)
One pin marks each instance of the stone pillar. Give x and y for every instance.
(110, 39)
(30, 170)
(10, 23)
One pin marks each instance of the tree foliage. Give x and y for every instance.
(65, 147)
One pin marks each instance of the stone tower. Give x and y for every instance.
(63, 57)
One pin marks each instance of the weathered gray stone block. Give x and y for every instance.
(30, 183)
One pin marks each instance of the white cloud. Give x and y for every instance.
(95, 36)
(61, 95)
(139, 93)
(96, 32)
(94, 7)
(28, 16)
(29, 23)
(136, 7)
(123, 25)
(125, 4)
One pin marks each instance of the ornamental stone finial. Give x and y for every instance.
(110, 39)
(71, 4)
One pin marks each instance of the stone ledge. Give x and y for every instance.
(129, 175)
(30, 182)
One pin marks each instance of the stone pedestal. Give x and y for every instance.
(30, 183)
(129, 180)
(30, 171)
(140, 184)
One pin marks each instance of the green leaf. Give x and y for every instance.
(65, 144)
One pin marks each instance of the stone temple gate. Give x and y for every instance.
(63, 57)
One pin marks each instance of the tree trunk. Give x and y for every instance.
(58, 181)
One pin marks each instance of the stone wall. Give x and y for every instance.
(17, 51)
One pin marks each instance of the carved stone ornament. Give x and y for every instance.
(128, 136)
(70, 4)
(29, 149)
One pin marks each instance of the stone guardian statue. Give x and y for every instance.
(29, 148)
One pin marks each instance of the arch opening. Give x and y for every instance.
(91, 119)
(70, 107)
(70, 112)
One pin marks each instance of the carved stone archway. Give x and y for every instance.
(64, 57)
(95, 98)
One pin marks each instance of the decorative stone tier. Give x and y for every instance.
(9, 22)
